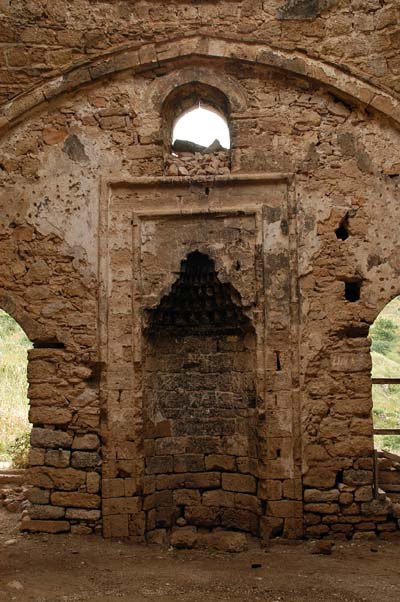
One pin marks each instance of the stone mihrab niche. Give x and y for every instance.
(194, 428)
(199, 384)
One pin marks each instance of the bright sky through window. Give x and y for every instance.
(203, 127)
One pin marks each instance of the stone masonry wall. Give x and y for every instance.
(38, 38)
(341, 160)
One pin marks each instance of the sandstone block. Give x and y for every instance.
(317, 530)
(157, 537)
(93, 482)
(286, 509)
(67, 479)
(173, 481)
(50, 438)
(116, 526)
(228, 541)
(81, 514)
(320, 478)
(123, 505)
(159, 498)
(85, 459)
(113, 488)
(218, 497)
(45, 526)
(202, 516)
(75, 499)
(322, 508)
(316, 495)
(357, 477)
(293, 489)
(363, 494)
(44, 512)
(270, 526)
(86, 442)
(57, 457)
(203, 480)
(189, 463)
(81, 530)
(248, 502)
(186, 497)
(237, 518)
(346, 498)
(378, 507)
(184, 537)
(46, 415)
(269, 489)
(239, 482)
(36, 456)
(38, 496)
(220, 462)
(159, 464)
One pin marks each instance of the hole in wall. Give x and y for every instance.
(352, 291)
(278, 362)
(342, 232)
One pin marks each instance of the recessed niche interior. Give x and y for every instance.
(199, 406)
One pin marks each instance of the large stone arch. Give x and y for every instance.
(147, 56)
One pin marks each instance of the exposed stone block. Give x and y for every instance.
(113, 488)
(116, 525)
(123, 505)
(50, 438)
(219, 462)
(89, 441)
(315, 495)
(203, 480)
(286, 509)
(184, 537)
(189, 463)
(238, 482)
(81, 514)
(159, 464)
(45, 512)
(202, 516)
(218, 497)
(75, 499)
(85, 459)
(186, 497)
(45, 526)
(58, 458)
(38, 496)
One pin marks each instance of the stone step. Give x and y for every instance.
(12, 477)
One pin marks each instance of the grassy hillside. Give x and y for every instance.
(14, 345)
(385, 336)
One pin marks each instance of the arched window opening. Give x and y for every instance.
(385, 351)
(196, 131)
(200, 129)
(14, 423)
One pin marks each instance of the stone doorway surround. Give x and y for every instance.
(148, 226)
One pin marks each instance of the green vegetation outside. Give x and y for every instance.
(385, 351)
(14, 345)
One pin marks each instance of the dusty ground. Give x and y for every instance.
(87, 569)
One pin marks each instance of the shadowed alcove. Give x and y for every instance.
(199, 400)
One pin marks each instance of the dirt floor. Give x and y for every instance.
(44, 568)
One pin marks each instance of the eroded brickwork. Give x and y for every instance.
(299, 218)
